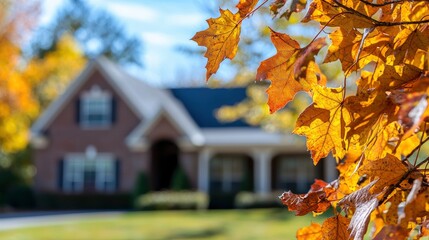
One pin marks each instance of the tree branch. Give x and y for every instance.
(375, 22)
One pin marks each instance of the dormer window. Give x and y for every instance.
(96, 108)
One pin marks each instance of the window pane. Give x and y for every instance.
(96, 111)
(81, 174)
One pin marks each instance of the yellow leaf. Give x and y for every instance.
(327, 12)
(324, 123)
(312, 232)
(221, 39)
(386, 176)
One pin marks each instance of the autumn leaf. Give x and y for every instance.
(333, 14)
(355, 49)
(363, 204)
(336, 228)
(324, 123)
(291, 70)
(245, 7)
(382, 48)
(221, 39)
(386, 176)
(391, 232)
(412, 110)
(316, 200)
(312, 232)
(285, 8)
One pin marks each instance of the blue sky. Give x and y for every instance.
(163, 26)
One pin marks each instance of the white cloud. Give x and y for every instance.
(185, 20)
(158, 39)
(136, 12)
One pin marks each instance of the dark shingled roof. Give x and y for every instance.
(202, 103)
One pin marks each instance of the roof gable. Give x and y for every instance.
(145, 101)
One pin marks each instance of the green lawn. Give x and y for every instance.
(219, 224)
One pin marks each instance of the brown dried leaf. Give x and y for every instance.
(363, 203)
(284, 8)
(316, 200)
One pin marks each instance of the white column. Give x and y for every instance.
(262, 171)
(330, 168)
(203, 170)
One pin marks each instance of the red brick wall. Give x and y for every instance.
(66, 136)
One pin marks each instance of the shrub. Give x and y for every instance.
(173, 200)
(255, 200)
(20, 196)
(63, 201)
(141, 187)
(179, 180)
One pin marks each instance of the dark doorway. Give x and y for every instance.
(165, 160)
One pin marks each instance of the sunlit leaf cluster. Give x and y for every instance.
(375, 131)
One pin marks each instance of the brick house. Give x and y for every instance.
(107, 127)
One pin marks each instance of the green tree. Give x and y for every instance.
(96, 31)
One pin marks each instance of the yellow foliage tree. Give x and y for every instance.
(50, 75)
(17, 105)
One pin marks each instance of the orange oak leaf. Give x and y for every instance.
(324, 123)
(312, 232)
(392, 232)
(386, 176)
(245, 7)
(291, 70)
(316, 200)
(221, 39)
(363, 204)
(336, 228)
(283, 8)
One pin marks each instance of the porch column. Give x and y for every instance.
(204, 170)
(262, 171)
(329, 168)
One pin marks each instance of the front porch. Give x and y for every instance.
(228, 170)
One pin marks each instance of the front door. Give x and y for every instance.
(165, 161)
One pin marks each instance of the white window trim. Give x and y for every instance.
(95, 93)
(77, 176)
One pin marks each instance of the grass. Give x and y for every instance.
(219, 224)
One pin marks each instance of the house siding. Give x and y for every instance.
(65, 136)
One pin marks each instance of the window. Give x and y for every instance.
(294, 172)
(96, 108)
(229, 173)
(89, 175)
